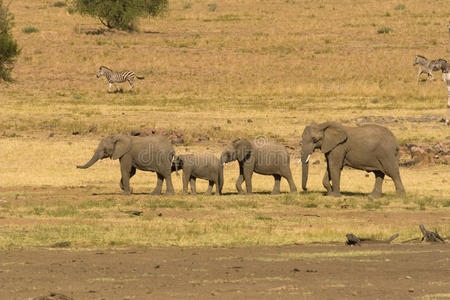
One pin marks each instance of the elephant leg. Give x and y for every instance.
(292, 187)
(210, 187)
(126, 171)
(159, 183)
(169, 185)
(193, 187)
(186, 176)
(248, 173)
(391, 170)
(377, 189)
(276, 186)
(334, 170)
(326, 182)
(239, 182)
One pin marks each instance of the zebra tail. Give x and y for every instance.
(140, 77)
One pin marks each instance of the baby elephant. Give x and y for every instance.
(204, 166)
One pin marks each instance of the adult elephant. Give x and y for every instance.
(150, 153)
(371, 148)
(262, 157)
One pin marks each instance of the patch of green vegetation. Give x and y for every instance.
(30, 29)
(384, 30)
(224, 18)
(212, 6)
(59, 4)
(187, 5)
(400, 7)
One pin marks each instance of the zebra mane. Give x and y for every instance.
(104, 67)
(421, 56)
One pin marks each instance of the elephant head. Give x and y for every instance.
(239, 149)
(112, 146)
(325, 136)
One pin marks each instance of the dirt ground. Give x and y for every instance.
(419, 271)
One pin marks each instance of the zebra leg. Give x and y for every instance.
(109, 89)
(130, 81)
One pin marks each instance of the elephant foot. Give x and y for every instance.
(374, 195)
(275, 193)
(334, 194)
(169, 193)
(156, 192)
(127, 192)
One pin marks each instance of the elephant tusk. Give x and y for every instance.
(299, 161)
(307, 159)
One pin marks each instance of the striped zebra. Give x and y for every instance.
(428, 66)
(117, 77)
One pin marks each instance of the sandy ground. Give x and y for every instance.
(397, 271)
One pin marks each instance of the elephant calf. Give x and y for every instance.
(151, 153)
(266, 158)
(372, 148)
(205, 166)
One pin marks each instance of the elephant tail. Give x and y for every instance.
(220, 186)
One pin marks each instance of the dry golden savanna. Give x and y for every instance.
(246, 69)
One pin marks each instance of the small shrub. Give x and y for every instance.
(384, 30)
(400, 7)
(30, 29)
(387, 14)
(59, 4)
(9, 49)
(123, 14)
(212, 7)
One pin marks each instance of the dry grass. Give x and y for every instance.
(279, 63)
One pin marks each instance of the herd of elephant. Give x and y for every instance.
(371, 148)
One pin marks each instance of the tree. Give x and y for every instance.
(8, 46)
(120, 14)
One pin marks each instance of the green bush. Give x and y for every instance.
(59, 4)
(8, 46)
(30, 29)
(119, 14)
(384, 30)
(400, 7)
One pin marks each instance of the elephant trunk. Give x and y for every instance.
(90, 163)
(305, 169)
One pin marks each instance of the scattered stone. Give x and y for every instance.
(311, 271)
(249, 121)
(408, 277)
(157, 266)
(296, 270)
(160, 215)
(92, 128)
(52, 134)
(411, 290)
(53, 296)
(75, 133)
(228, 121)
(217, 128)
(61, 245)
(133, 212)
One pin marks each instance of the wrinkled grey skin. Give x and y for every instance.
(371, 148)
(266, 158)
(203, 166)
(151, 153)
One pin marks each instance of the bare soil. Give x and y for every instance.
(397, 271)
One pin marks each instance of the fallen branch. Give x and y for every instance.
(430, 236)
(354, 240)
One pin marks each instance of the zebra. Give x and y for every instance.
(427, 66)
(443, 65)
(117, 77)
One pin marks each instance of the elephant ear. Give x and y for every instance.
(333, 136)
(243, 148)
(122, 144)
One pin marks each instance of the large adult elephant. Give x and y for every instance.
(371, 148)
(262, 157)
(150, 153)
